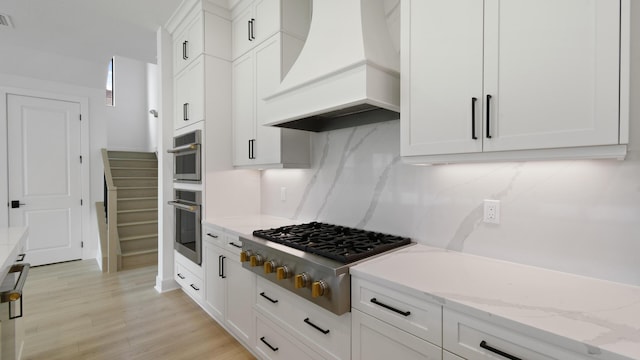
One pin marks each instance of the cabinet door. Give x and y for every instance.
(267, 19)
(188, 43)
(268, 62)
(241, 39)
(449, 356)
(189, 95)
(552, 71)
(214, 262)
(243, 100)
(442, 53)
(241, 287)
(373, 339)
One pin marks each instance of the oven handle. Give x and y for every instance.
(183, 148)
(191, 208)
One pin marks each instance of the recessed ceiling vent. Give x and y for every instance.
(5, 21)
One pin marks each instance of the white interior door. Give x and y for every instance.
(45, 176)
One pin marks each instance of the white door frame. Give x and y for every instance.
(84, 151)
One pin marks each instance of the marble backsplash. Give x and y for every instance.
(581, 217)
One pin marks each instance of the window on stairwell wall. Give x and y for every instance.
(110, 97)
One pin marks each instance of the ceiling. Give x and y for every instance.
(93, 30)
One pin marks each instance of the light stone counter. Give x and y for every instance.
(245, 225)
(597, 318)
(11, 243)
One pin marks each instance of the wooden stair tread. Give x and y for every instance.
(136, 210)
(139, 252)
(139, 198)
(138, 237)
(136, 187)
(134, 177)
(138, 223)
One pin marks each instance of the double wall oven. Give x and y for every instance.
(187, 216)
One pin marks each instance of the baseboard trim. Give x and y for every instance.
(165, 285)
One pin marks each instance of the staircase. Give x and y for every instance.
(134, 176)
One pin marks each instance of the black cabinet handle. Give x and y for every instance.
(221, 265)
(212, 235)
(403, 313)
(274, 349)
(483, 344)
(253, 27)
(181, 276)
(185, 111)
(185, 54)
(249, 30)
(268, 298)
(251, 149)
(488, 116)
(235, 245)
(473, 118)
(20, 257)
(195, 287)
(316, 326)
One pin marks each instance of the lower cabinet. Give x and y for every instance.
(473, 338)
(273, 343)
(189, 276)
(374, 339)
(449, 356)
(229, 289)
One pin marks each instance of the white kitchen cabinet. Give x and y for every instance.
(200, 32)
(213, 260)
(497, 79)
(473, 338)
(257, 20)
(189, 277)
(449, 356)
(273, 343)
(240, 299)
(189, 95)
(230, 289)
(255, 75)
(374, 339)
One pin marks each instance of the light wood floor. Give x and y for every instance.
(74, 311)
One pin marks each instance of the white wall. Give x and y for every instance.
(581, 217)
(127, 128)
(152, 103)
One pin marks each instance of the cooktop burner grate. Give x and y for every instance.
(340, 243)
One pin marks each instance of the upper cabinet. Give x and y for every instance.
(256, 21)
(257, 73)
(513, 80)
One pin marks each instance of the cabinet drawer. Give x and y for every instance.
(233, 244)
(473, 338)
(376, 340)
(213, 235)
(189, 282)
(413, 315)
(274, 344)
(323, 331)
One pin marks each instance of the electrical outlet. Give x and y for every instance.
(283, 194)
(492, 211)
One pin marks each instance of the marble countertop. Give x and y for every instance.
(245, 225)
(587, 315)
(11, 241)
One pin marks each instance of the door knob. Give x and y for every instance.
(16, 204)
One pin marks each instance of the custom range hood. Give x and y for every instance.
(347, 73)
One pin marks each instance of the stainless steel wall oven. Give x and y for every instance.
(187, 216)
(187, 157)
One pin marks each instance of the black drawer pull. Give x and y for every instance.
(181, 276)
(20, 257)
(483, 344)
(212, 235)
(221, 263)
(195, 287)
(403, 313)
(235, 245)
(316, 326)
(268, 298)
(473, 118)
(488, 116)
(274, 349)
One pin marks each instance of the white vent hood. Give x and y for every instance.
(347, 74)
